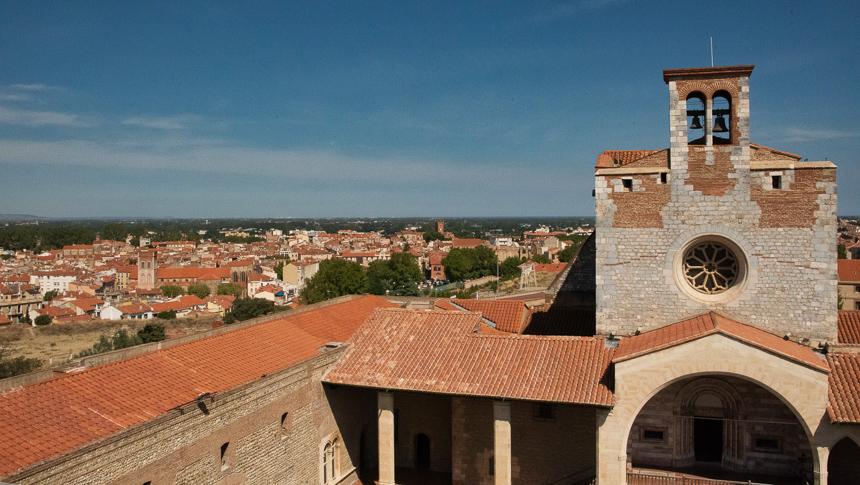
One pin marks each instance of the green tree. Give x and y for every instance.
(122, 339)
(49, 295)
(399, 275)
(43, 320)
(433, 236)
(172, 291)
(510, 268)
(541, 258)
(13, 366)
(247, 308)
(168, 315)
(462, 264)
(568, 253)
(841, 252)
(199, 289)
(152, 332)
(336, 277)
(279, 270)
(230, 289)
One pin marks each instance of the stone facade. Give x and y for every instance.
(647, 215)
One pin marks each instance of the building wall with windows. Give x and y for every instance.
(274, 430)
(776, 212)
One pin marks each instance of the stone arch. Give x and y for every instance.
(727, 396)
(843, 464)
(730, 101)
(696, 103)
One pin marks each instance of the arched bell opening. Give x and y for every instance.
(696, 118)
(720, 427)
(723, 127)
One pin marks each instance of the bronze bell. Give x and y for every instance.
(720, 125)
(696, 124)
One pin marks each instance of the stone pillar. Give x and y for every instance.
(385, 416)
(502, 442)
(611, 464)
(820, 476)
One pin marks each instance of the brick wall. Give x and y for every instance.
(184, 446)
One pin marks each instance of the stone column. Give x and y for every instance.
(385, 416)
(820, 476)
(502, 442)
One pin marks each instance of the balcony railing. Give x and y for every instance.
(641, 478)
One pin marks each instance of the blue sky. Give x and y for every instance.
(278, 109)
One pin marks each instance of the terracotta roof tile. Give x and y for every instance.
(508, 315)
(711, 323)
(849, 327)
(849, 270)
(54, 417)
(844, 389)
(444, 352)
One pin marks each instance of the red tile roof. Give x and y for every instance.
(186, 272)
(844, 389)
(849, 327)
(617, 158)
(51, 418)
(443, 352)
(181, 303)
(712, 323)
(508, 315)
(849, 270)
(467, 242)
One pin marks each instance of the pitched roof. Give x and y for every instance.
(712, 323)
(848, 327)
(844, 388)
(471, 242)
(443, 352)
(181, 303)
(188, 272)
(508, 315)
(617, 158)
(54, 417)
(849, 270)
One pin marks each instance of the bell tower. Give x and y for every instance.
(147, 264)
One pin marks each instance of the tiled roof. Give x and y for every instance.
(711, 323)
(54, 417)
(618, 158)
(849, 270)
(186, 272)
(181, 303)
(844, 389)
(508, 315)
(467, 242)
(849, 327)
(442, 352)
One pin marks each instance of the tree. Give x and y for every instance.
(247, 308)
(13, 366)
(568, 253)
(336, 277)
(230, 289)
(541, 259)
(172, 291)
(152, 332)
(199, 289)
(43, 320)
(279, 270)
(510, 268)
(168, 315)
(841, 252)
(399, 275)
(463, 264)
(433, 236)
(49, 295)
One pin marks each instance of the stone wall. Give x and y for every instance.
(184, 446)
(786, 235)
(543, 450)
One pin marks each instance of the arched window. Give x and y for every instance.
(329, 462)
(696, 119)
(722, 111)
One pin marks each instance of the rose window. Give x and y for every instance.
(710, 267)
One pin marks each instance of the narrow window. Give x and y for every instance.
(776, 182)
(329, 462)
(652, 435)
(627, 184)
(492, 470)
(664, 177)
(769, 445)
(284, 421)
(225, 448)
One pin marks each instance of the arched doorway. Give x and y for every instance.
(720, 427)
(422, 452)
(843, 465)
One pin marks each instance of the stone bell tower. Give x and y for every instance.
(715, 222)
(147, 263)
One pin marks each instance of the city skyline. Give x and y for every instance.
(207, 110)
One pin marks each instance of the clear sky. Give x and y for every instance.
(280, 109)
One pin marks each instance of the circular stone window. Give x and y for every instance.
(710, 268)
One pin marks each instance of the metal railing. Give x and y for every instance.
(640, 478)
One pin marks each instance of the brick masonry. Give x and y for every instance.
(786, 235)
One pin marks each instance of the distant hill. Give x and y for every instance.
(19, 217)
